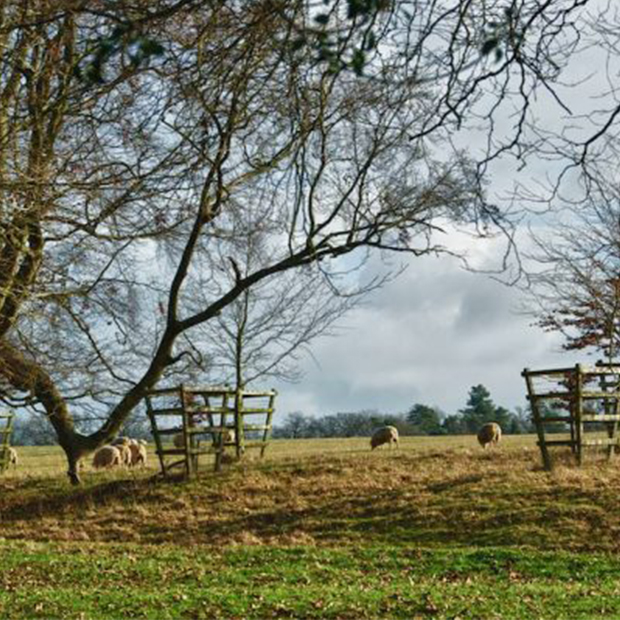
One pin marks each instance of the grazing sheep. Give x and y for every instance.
(138, 454)
(107, 456)
(125, 452)
(13, 460)
(143, 442)
(385, 434)
(489, 433)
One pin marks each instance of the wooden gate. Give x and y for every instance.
(207, 421)
(583, 400)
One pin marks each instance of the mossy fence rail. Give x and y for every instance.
(209, 420)
(582, 400)
(6, 428)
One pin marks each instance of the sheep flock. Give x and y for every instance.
(127, 452)
(122, 452)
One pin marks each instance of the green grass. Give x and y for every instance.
(324, 529)
(39, 580)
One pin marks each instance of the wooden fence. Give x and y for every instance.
(582, 400)
(207, 421)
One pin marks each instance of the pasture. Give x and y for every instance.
(320, 528)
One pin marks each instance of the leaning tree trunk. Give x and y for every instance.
(27, 376)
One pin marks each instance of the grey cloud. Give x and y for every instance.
(426, 337)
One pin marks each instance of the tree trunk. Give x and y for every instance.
(28, 376)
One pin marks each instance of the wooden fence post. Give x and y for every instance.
(542, 444)
(267, 431)
(239, 424)
(5, 437)
(578, 411)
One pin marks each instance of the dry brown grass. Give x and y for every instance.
(457, 495)
(48, 461)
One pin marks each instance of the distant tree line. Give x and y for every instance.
(421, 419)
(32, 429)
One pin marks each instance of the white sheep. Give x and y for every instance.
(125, 452)
(138, 454)
(13, 460)
(229, 436)
(489, 433)
(385, 434)
(107, 456)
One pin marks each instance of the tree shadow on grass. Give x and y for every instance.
(482, 509)
(53, 502)
(448, 485)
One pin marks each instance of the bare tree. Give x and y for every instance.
(263, 333)
(100, 180)
(576, 288)
(265, 330)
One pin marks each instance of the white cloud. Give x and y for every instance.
(427, 337)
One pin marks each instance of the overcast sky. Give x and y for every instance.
(438, 330)
(427, 337)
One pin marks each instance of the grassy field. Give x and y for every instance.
(49, 460)
(321, 528)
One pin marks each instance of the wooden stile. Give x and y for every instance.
(590, 395)
(224, 402)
